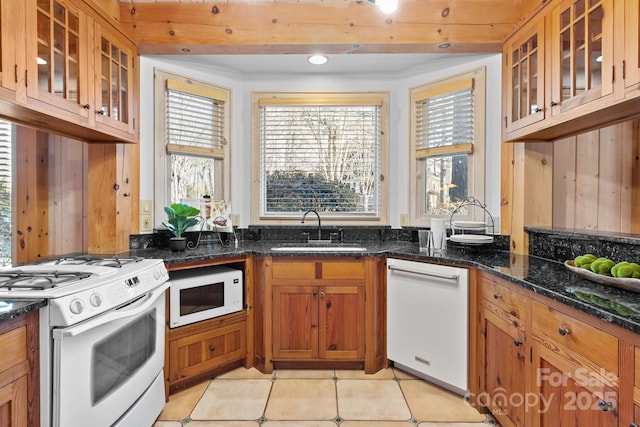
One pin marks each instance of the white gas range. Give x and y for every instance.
(101, 337)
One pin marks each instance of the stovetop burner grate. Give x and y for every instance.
(115, 261)
(38, 280)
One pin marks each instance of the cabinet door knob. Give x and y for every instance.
(212, 348)
(563, 331)
(314, 293)
(517, 342)
(321, 294)
(537, 110)
(86, 106)
(554, 104)
(496, 295)
(605, 406)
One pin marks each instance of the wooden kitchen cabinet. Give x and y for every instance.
(631, 62)
(502, 350)
(577, 382)
(319, 312)
(116, 82)
(543, 364)
(198, 349)
(19, 405)
(325, 322)
(524, 78)
(590, 67)
(582, 54)
(58, 64)
(67, 70)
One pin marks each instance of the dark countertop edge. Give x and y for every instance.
(554, 285)
(21, 307)
(590, 235)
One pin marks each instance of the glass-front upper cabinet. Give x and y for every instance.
(115, 75)
(631, 37)
(12, 47)
(582, 53)
(524, 76)
(57, 57)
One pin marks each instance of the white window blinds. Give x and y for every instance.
(194, 119)
(325, 157)
(444, 120)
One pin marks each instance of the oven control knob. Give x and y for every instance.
(95, 300)
(76, 306)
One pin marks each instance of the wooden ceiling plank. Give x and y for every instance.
(278, 27)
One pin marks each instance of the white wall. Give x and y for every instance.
(398, 85)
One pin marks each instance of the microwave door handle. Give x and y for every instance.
(132, 310)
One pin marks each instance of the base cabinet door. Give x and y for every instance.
(575, 372)
(295, 322)
(325, 322)
(13, 403)
(341, 312)
(504, 367)
(570, 396)
(198, 353)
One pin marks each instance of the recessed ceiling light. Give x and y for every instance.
(387, 6)
(318, 59)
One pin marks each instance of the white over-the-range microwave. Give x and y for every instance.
(204, 293)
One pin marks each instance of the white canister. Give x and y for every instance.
(439, 232)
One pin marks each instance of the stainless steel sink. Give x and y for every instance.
(324, 248)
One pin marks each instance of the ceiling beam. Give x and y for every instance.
(418, 26)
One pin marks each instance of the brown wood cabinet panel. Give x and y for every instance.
(13, 403)
(575, 336)
(195, 354)
(343, 270)
(503, 356)
(498, 295)
(295, 322)
(19, 371)
(293, 269)
(570, 398)
(342, 322)
(14, 345)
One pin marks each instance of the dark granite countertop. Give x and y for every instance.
(545, 277)
(549, 278)
(10, 309)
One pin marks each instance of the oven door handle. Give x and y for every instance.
(134, 309)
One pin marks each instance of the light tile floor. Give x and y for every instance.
(318, 398)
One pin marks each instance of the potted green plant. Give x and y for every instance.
(179, 218)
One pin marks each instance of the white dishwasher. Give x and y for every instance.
(427, 321)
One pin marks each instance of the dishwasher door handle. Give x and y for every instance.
(453, 277)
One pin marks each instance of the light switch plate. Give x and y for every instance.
(145, 207)
(145, 223)
(235, 219)
(404, 220)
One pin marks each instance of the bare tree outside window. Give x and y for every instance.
(321, 157)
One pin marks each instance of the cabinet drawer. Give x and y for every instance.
(343, 270)
(196, 354)
(579, 337)
(14, 347)
(314, 269)
(502, 297)
(294, 270)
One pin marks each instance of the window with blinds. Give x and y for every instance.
(5, 192)
(444, 135)
(321, 154)
(195, 136)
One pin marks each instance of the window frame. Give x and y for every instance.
(315, 98)
(476, 151)
(162, 157)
